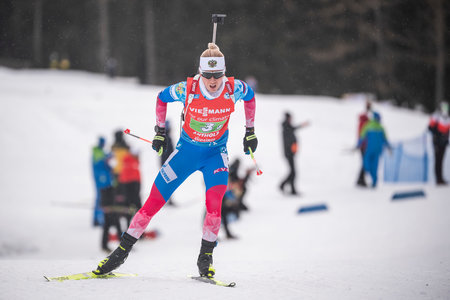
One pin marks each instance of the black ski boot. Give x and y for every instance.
(117, 257)
(205, 259)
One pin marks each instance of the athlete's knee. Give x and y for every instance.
(154, 203)
(214, 197)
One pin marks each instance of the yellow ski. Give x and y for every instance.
(89, 275)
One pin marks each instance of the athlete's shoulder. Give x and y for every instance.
(175, 92)
(242, 90)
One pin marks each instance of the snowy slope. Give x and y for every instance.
(364, 247)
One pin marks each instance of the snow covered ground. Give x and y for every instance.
(364, 247)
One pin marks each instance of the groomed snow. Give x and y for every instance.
(364, 247)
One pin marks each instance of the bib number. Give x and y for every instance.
(206, 127)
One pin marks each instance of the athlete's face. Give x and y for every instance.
(212, 84)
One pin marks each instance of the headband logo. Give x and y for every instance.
(212, 63)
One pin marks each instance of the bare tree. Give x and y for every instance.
(149, 46)
(440, 49)
(37, 33)
(103, 51)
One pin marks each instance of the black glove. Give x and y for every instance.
(250, 140)
(159, 143)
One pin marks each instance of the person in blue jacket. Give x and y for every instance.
(102, 177)
(374, 136)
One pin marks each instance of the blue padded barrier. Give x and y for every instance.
(312, 208)
(408, 195)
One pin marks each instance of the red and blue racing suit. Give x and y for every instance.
(201, 147)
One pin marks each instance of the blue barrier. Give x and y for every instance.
(408, 161)
(312, 208)
(407, 195)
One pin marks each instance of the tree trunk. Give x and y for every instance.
(37, 34)
(149, 46)
(440, 51)
(103, 53)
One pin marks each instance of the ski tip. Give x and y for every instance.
(46, 278)
(212, 280)
(125, 274)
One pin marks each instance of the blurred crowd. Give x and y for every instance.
(118, 179)
(118, 183)
(371, 142)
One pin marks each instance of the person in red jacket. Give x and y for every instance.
(439, 126)
(130, 183)
(362, 120)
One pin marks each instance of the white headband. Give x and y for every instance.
(212, 64)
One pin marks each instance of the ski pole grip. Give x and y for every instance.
(218, 18)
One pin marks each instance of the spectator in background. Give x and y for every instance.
(233, 200)
(102, 177)
(111, 213)
(111, 67)
(290, 146)
(54, 60)
(230, 207)
(64, 63)
(165, 155)
(439, 126)
(241, 182)
(119, 149)
(363, 119)
(104, 213)
(374, 138)
(130, 184)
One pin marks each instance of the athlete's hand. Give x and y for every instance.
(250, 140)
(159, 143)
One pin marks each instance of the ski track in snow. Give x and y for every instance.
(364, 247)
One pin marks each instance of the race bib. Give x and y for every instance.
(206, 127)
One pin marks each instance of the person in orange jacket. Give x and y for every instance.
(130, 183)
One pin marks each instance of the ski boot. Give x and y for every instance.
(205, 259)
(117, 257)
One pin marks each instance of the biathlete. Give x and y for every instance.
(209, 99)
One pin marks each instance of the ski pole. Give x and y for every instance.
(127, 131)
(258, 170)
(216, 18)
